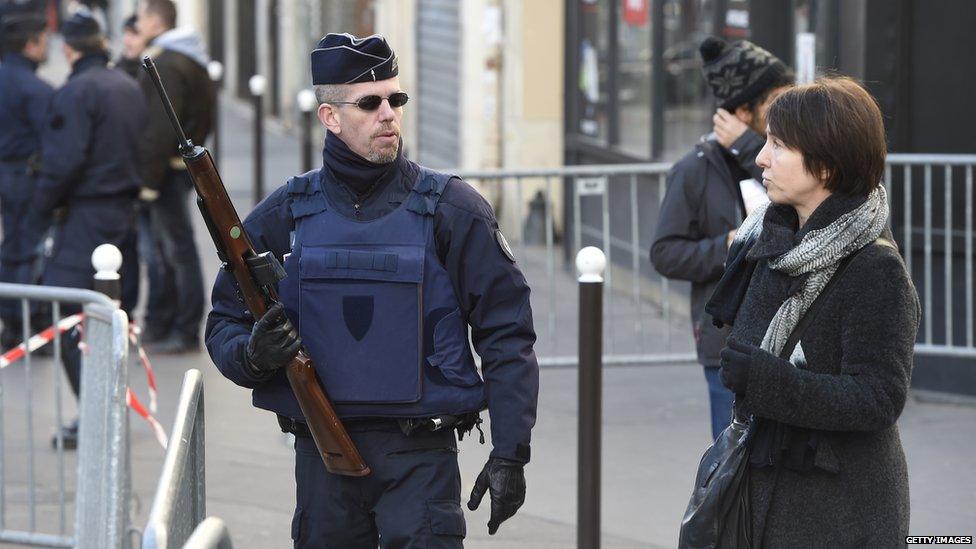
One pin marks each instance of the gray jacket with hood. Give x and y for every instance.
(702, 204)
(181, 58)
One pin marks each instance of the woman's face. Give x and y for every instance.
(786, 179)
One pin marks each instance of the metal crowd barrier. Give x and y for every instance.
(34, 509)
(936, 239)
(180, 502)
(646, 319)
(615, 207)
(211, 534)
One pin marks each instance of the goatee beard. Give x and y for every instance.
(384, 156)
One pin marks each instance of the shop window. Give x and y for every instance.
(634, 77)
(688, 104)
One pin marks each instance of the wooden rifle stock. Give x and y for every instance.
(235, 249)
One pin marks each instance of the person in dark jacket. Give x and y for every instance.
(388, 265)
(24, 99)
(89, 180)
(173, 325)
(827, 465)
(704, 204)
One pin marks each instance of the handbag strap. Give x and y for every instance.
(815, 307)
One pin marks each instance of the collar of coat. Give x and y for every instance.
(777, 236)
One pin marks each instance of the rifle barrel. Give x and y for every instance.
(147, 63)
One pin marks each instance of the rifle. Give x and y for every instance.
(256, 275)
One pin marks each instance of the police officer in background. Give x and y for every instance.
(89, 180)
(23, 109)
(388, 265)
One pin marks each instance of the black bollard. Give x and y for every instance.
(216, 71)
(307, 103)
(590, 262)
(257, 84)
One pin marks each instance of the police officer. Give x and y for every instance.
(23, 107)
(388, 264)
(89, 181)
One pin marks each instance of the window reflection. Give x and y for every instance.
(688, 106)
(594, 49)
(634, 80)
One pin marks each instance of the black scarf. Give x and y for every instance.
(360, 176)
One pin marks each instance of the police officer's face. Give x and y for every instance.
(374, 135)
(132, 44)
(36, 48)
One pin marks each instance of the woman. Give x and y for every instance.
(827, 465)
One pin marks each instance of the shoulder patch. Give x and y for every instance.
(503, 245)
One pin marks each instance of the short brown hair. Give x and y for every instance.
(837, 127)
(165, 9)
(87, 45)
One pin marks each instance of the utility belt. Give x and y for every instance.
(463, 424)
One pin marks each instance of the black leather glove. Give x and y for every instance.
(736, 360)
(505, 479)
(273, 343)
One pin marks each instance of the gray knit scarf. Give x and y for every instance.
(818, 253)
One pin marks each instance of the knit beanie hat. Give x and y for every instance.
(739, 72)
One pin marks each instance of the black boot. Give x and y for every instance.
(68, 435)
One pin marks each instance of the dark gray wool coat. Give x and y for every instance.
(859, 353)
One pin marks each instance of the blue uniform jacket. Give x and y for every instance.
(491, 290)
(24, 101)
(90, 141)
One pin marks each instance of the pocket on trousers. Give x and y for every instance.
(446, 518)
(451, 355)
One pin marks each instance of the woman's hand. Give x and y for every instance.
(736, 360)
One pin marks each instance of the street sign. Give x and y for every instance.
(589, 186)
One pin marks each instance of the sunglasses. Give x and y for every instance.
(373, 102)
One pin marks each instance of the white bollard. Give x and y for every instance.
(107, 260)
(306, 100)
(591, 262)
(307, 104)
(216, 70)
(257, 84)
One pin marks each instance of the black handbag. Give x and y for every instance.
(719, 512)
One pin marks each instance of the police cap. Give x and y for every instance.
(21, 18)
(346, 59)
(79, 26)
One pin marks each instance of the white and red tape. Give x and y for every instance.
(46, 336)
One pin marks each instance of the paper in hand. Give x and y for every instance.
(753, 195)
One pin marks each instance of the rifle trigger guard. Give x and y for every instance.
(265, 268)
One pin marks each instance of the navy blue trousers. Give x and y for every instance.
(411, 500)
(720, 401)
(88, 225)
(19, 241)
